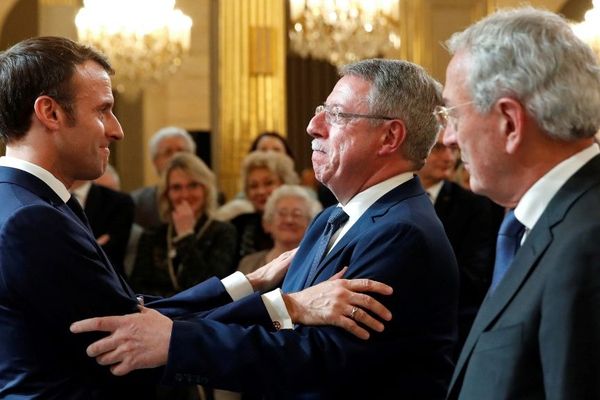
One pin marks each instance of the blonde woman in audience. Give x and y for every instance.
(288, 212)
(189, 246)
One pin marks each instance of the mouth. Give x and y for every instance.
(316, 147)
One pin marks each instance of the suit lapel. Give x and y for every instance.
(527, 257)
(42, 190)
(379, 209)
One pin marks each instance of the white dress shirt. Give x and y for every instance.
(534, 202)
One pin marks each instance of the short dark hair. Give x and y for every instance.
(275, 135)
(34, 67)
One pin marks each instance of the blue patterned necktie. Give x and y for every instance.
(336, 219)
(508, 242)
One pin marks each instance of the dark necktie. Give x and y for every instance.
(508, 242)
(336, 219)
(74, 205)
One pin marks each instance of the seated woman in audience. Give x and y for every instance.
(262, 172)
(288, 212)
(190, 246)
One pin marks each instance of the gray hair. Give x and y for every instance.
(312, 206)
(168, 132)
(534, 56)
(405, 91)
(196, 168)
(278, 163)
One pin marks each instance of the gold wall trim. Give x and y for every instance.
(251, 72)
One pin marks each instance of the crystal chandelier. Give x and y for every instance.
(589, 30)
(343, 31)
(143, 39)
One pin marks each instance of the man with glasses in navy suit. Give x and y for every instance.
(375, 129)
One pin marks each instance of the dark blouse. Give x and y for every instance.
(251, 235)
(194, 257)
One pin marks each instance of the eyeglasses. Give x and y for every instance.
(178, 187)
(444, 114)
(295, 214)
(335, 116)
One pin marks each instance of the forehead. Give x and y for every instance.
(269, 141)
(179, 174)
(349, 89)
(172, 141)
(456, 89)
(291, 202)
(91, 82)
(260, 173)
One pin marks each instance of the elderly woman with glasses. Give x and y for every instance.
(288, 211)
(189, 246)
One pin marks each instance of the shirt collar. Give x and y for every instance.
(434, 191)
(365, 199)
(57, 186)
(533, 203)
(81, 193)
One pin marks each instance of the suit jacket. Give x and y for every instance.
(52, 273)
(398, 240)
(110, 212)
(471, 223)
(146, 207)
(538, 335)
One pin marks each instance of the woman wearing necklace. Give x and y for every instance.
(190, 246)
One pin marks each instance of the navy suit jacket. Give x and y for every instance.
(53, 273)
(538, 335)
(399, 241)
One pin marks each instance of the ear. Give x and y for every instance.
(393, 137)
(49, 112)
(512, 122)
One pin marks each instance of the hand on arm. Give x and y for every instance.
(271, 275)
(340, 302)
(139, 340)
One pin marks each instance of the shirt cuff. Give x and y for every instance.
(278, 313)
(237, 285)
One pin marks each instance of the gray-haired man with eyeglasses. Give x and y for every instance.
(530, 91)
(374, 130)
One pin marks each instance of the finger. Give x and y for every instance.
(102, 346)
(121, 369)
(103, 239)
(103, 324)
(351, 326)
(369, 285)
(366, 319)
(110, 358)
(368, 303)
(338, 274)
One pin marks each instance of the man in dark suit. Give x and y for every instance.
(375, 129)
(110, 214)
(522, 98)
(57, 122)
(471, 223)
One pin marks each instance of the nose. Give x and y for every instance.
(317, 126)
(448, 137)
(114, 129)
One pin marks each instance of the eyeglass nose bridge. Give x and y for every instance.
(330, 116)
